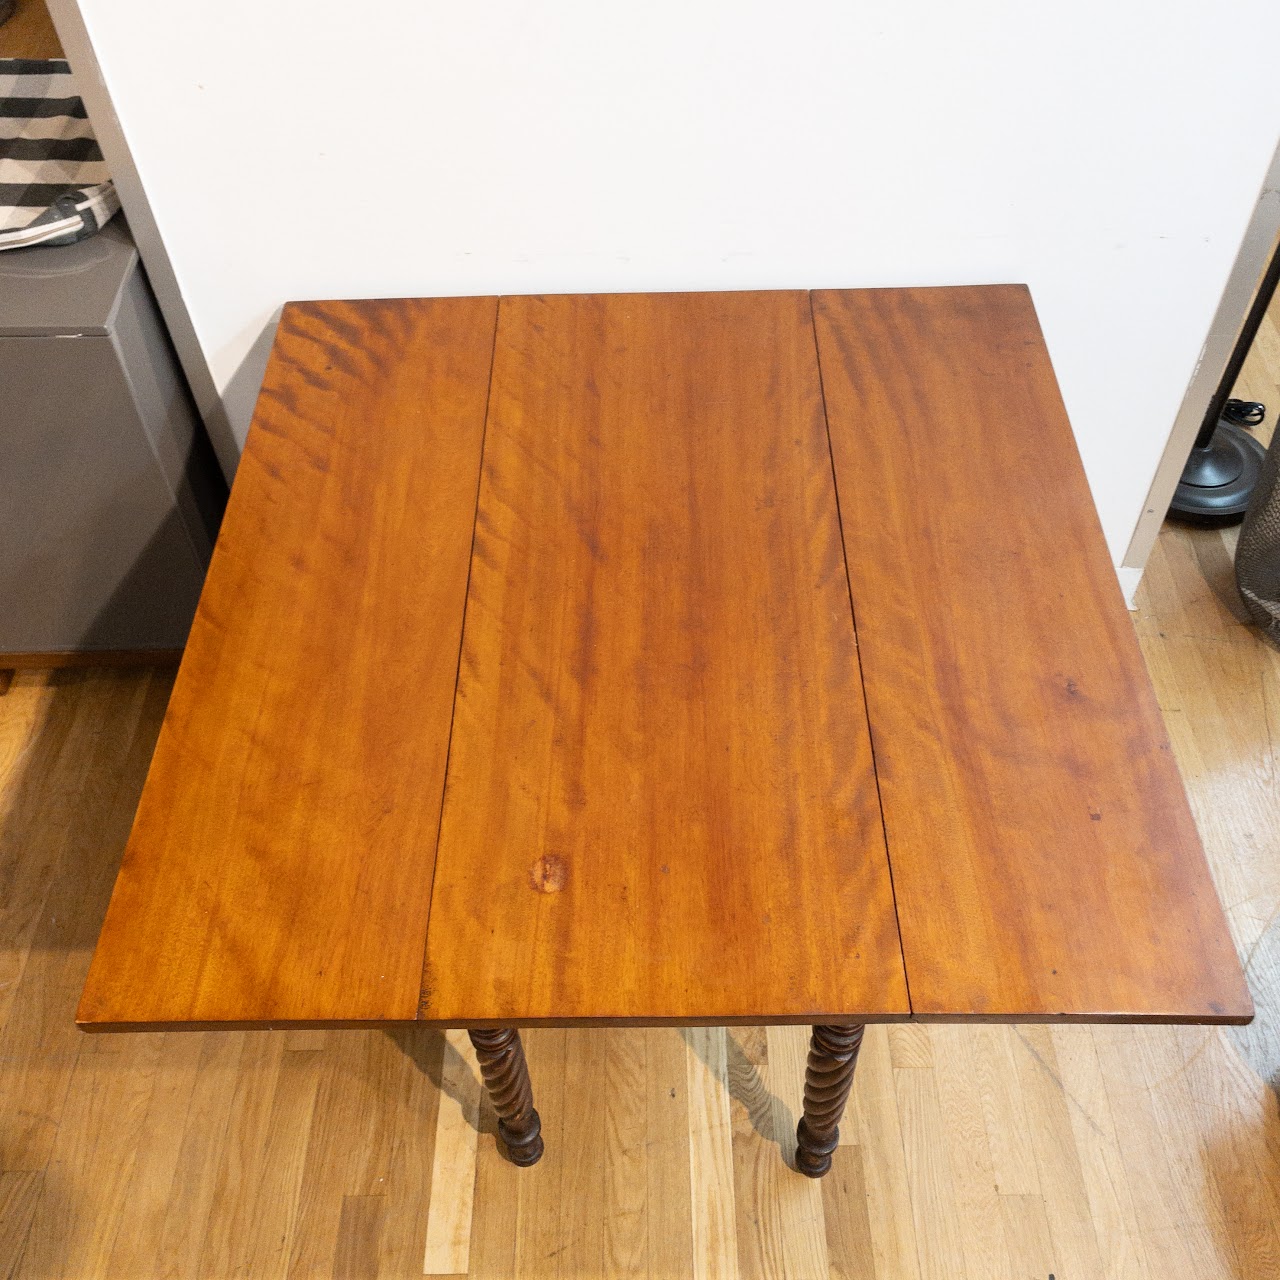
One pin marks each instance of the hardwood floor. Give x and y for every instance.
(986, 1153)
(29, 33)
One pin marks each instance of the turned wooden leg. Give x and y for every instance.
(833, 1054)
(506, 1076)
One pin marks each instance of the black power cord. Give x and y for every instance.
(1244, 413)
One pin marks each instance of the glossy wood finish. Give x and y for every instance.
(280, 863)
(828, 1077)
(506, 1078)
(1044, 857)
(660, 801)
(1133, 1152)
(90, 658)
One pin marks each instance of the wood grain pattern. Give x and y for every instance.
(1044, 857)
(544, 1215)
(89, 658)
(280, 864)
(453, 1165)
(1061, 1179)
(669, 1197)
(968, 1149)
(879, 1133)
(715, 1243)
(506, 1079)
(780, 1217)
(1197, 1119)
(660, 802)
(1098, 1143)
(360, 1227)
(833, 1057)
(939, 1245)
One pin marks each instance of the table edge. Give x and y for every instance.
(731, 1020)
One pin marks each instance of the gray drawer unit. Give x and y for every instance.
(110, 495)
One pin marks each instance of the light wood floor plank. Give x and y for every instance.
(345, 1127)
(1048, 1107)
(1171, 1230)
(1235, 1110)
(992, 1054)
(780, 1225)
(583, 1201)
(625, 1112)
(453, 1161)
(713, 1213)
(150, 1191)
(1098, 1144)
(85, 805)
(879, 1137)
(910, 1047)
(240, 1165)
(268, 1242)
(96, 1146)
(356, 1253)
(399, 1115)
(1031, 1249)
(495, 1222)
(850, 1251)
(964, 1135)
(932, 1193)
(540, 1239)
(204, 1124)
(668, 1183)
(20, 1193)
(802, 1216)
(31, 738)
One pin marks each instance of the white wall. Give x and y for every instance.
(297, 149)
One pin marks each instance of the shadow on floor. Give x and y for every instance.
(766, 1112)
(430, 1051)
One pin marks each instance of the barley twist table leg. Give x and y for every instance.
(833, 1054)
(506, 1077)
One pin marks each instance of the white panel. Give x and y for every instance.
(294, 150)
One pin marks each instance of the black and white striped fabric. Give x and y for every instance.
(54, 184)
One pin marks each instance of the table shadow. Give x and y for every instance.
(746, 1085)
(430, 1051)
(437, 1059)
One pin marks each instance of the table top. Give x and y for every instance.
(688, 658)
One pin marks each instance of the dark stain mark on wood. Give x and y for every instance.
(549, 874)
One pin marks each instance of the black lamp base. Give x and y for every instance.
(1219, 479)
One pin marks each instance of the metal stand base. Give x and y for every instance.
(1219, 479)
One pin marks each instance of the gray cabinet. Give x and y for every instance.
(110, 495)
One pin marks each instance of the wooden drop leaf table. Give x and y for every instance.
(684, 659)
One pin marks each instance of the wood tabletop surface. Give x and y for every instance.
(280, 863)
(1043, 851)
(661, 800)
(662, 658)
